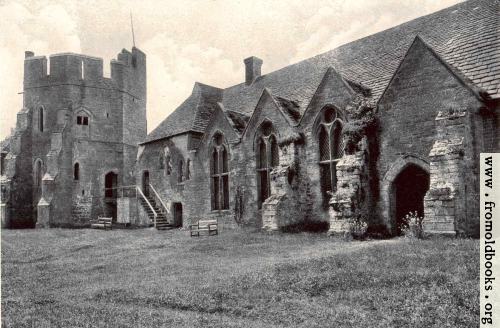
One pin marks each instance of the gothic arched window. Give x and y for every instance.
(219, 171)
(76, 171)
(168, 165)
(331, 149)
(267, 158)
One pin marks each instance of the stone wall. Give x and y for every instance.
(451, 158)
(76, 87)
(17, 182)
(285, 205)
(351, 201)
(421, 88)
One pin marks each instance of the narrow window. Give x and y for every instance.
(267, 159)
(263, 172)
(331, 149)
(76, 172)
(180, 173)
(168, 165)
(2, 163)
(83, 70)
(275, 159)
(161, 160)
(38, 176)
(188, 169)
(219, 168)
(40, 119)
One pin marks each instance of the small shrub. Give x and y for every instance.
(358, 226)
(412, 226)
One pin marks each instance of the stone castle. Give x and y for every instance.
(386, 125)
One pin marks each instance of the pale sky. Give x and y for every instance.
(187, 41)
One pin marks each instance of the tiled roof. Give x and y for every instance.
(466, 36)
(237, 120)
(192, 115)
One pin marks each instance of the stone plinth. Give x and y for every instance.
(126, 210)
(43, 214)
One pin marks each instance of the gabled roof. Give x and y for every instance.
(465, 36)
(192, 115)
(418, 42)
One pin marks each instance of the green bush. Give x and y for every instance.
(412, 226)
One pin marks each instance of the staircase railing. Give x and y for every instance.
(139, 191)
(159, 199)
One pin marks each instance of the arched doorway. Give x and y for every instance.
(177, 209)
(110, 194)
(408, 190)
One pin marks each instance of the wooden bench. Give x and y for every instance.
(210, 226)
(102, 223)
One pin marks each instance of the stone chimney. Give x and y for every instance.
(28, 54)
(252, 69)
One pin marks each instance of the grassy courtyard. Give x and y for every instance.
(147, 278)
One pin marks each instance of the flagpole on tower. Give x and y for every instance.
(132, 25)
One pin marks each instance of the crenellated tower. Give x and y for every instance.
(76, 138)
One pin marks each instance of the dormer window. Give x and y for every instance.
(82, 120)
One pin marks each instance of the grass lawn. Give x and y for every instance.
(149, 278)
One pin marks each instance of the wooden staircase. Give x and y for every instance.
(161, 218)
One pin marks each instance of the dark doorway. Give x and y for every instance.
(145, 183)
(110, 194)
(177, 208)
(110, 182)
(408, 189)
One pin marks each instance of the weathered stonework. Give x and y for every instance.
(349, 199)
(283, 208)
(445, 201)
(72, 117)
(294, 147)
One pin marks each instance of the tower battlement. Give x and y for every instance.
(128, 70)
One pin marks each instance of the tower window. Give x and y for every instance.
(82, 120)
(219, 174)
(76, 172)
(40, 119)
